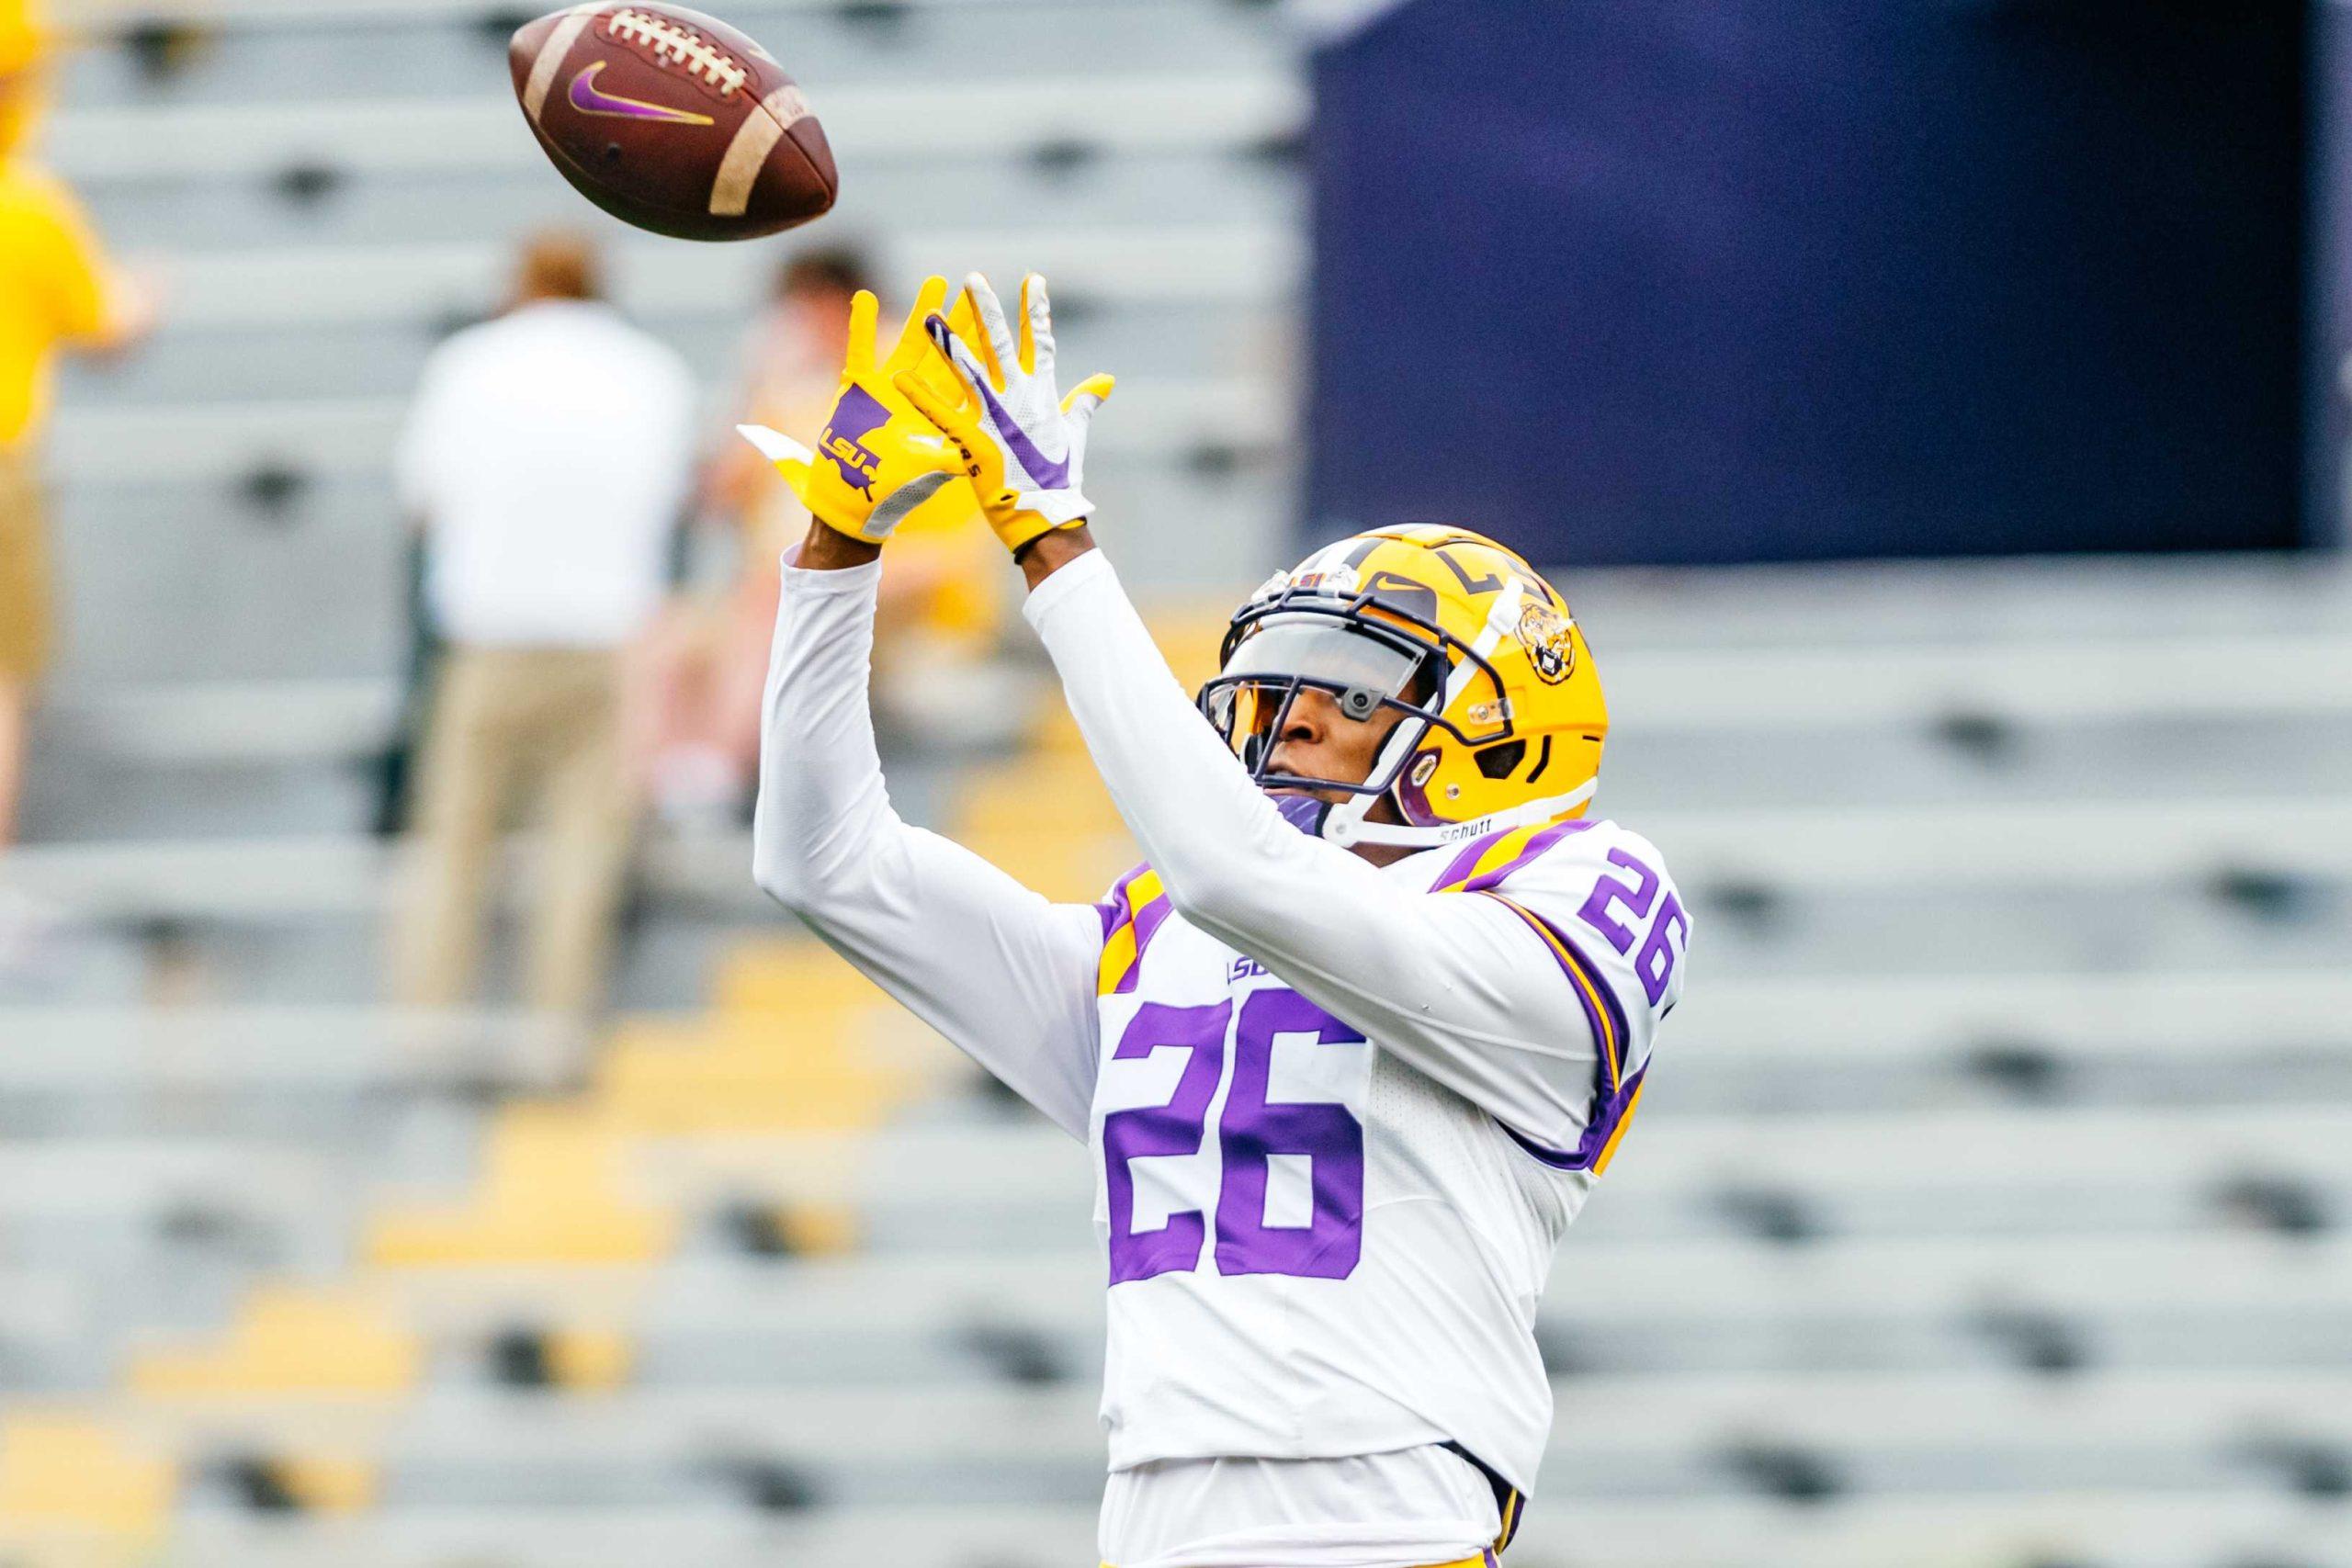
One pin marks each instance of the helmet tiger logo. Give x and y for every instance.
(1551, 649)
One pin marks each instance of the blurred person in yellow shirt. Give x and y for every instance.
(699, 707)
(57, 290)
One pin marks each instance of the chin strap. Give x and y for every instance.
(1344, 823)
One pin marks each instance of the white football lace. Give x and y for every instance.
(683, 45)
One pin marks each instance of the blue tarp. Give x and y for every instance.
(1717, 280)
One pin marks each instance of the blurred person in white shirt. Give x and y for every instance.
(547, 458)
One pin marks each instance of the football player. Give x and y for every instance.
(1352, 1044)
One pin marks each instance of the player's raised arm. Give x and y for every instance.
(997, 968)
(1520, 1010)
(1494, 998)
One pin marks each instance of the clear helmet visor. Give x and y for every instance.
(1362, 673)
(1330, 653)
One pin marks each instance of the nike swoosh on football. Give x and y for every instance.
(588, 99)
(1049, 474)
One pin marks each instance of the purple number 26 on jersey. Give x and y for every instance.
(1250, 1134)
(1656, 961)
(1175, 1128)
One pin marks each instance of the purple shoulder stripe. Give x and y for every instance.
(1459, 866)
(1115, 904)
(1534, 850)
(1119, 910)
(1148, 919)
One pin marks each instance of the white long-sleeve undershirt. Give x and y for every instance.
(1005, 974)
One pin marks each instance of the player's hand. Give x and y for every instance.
(1023, 444)
(879, 458)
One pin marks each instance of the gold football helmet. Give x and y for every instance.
(1502, 715)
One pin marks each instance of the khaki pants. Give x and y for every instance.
(24, 618)
(23, 570)
(529, 733)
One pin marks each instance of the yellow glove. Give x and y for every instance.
(879, 458)
(1024, 444)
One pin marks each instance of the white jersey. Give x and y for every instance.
(1340, 1114)
(1349, 1252)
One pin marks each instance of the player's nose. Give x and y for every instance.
(1306, 725)
(1308, 717)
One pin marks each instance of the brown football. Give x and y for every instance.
(673, 121)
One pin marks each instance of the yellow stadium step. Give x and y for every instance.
(1057, 789)
(588, 1361)
(812, 1068)
(1189, 631)
(555, 1189)
(1070, 868)
(75, 1494)
(291, 1341)
(331, 1484)
(793, 978)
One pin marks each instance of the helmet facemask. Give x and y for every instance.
(1367, 659)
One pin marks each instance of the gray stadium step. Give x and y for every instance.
(297, 52)
(473, 126)
(193, 368)
(2157, 1527)
(301, 202)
